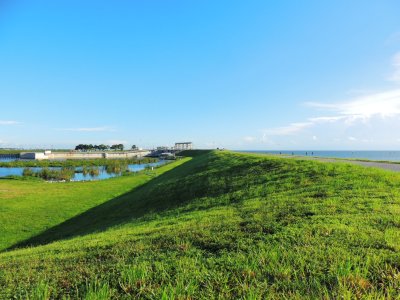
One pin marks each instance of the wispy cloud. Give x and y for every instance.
(384, 104)
(325, 119)
(294, 128)
(5, 122)
(360, 109)
(287, 130)
(356, 109)
(88, 129)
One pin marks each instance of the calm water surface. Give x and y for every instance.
(6, 159)
(17, 171)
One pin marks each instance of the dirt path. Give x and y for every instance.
(391, 166)
(381, 165)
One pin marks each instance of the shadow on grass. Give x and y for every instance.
(162, 193)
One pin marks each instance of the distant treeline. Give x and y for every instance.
(102, 147)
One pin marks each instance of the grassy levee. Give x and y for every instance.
(193, 153)
(225, 225)
(146, 199)
(30, 207)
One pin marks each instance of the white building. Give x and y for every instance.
(33, 155)
(184, 146)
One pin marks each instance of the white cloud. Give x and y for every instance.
(287, 130)
(294, 128)
(362, 110)
(4, 122)
(358, 109)
(314, 138)
(88, 129)
(325, 119)
(384, 104)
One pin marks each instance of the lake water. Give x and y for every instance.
(17, 171)
(6, 159)
(370, 155)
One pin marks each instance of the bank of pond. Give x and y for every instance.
(73, 162)
(67, 172)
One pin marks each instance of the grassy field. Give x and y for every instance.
(220, 225)
(28, 207)
(18, 151)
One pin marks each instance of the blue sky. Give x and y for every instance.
(234, 74)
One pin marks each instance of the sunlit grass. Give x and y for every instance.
(224, 225)
(28, 207)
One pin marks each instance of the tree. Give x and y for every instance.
(117, 147)
(103, 147)
(88, 147)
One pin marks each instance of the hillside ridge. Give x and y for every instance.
(227, 225)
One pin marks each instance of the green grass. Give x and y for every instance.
(221, 225)
(327, 158)
(29, 207)
(18, 151)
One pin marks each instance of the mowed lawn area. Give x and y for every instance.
(221, 225)
(29, 207)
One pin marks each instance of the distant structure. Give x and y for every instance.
(163, 148)
(83, 155)
(35, 155)
(184, 146)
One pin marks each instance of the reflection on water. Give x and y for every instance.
(7, 159)
(93, 173)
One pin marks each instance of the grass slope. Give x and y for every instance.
(225, 225)
(29, 207)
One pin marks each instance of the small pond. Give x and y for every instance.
(79, 176)
(7, 159)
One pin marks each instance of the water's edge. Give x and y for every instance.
(79, 176)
